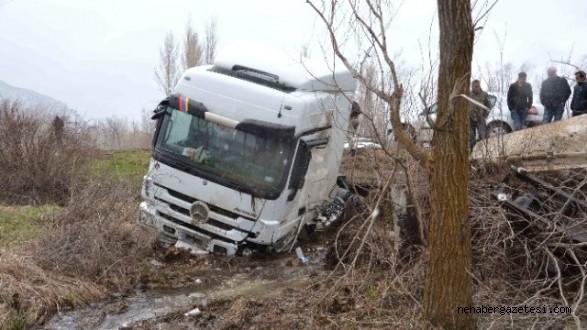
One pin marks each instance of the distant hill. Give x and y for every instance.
(30, 98)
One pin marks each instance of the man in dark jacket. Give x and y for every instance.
(554, 93)
(579, 102)
(477, 114)
(520, 100)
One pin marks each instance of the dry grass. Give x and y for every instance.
(85, 251)
(30, 294)
(96, 238)
(380, 287)
(514, 263)
(91, 249)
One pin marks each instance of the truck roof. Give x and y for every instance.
(305, 74)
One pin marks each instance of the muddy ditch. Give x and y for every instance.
(179, 283)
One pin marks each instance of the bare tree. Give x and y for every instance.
(211, 41)
(193, 51)
(167, 73)
(374, 119)
(499, 77)
(448, 283)
(304, 51)
(147, 125)
(115, 127)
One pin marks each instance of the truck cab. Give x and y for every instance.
(246, 153)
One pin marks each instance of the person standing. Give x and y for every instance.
(353, 127)
(579, 101)
(477, 114)
(519, 100)
(554, 93)
(58, 126)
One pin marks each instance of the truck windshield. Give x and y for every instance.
(242, 159)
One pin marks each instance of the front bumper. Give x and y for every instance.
(161, 219)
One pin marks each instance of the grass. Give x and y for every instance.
(123, 164)
(23, 223)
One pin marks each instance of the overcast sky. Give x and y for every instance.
(99, 56)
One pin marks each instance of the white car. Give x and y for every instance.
(499, 120)
(363, 143)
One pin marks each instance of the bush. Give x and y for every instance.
(38, 161)
(96, 238)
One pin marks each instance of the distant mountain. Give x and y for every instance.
(30, 98)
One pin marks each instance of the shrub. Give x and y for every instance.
(38, 161)
(96, 237)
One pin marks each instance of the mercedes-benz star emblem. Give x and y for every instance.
(199, 212)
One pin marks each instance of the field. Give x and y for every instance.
(122, 164)
(19, 224)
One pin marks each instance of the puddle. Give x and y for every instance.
(123, 313)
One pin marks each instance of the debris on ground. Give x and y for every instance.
(193, 313)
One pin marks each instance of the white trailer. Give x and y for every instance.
(247, 152)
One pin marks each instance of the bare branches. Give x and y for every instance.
(576, 67)
(210, 41)
(373, 24)
(483, 14)
(167, 73)
(192, 52)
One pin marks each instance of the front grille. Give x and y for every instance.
(213, 208)
(213, 221)
(198, 229)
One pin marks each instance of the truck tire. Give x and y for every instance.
(497, 128)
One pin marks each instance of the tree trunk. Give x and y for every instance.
(448, 284)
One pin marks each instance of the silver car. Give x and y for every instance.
(362, 143)
(499, 120)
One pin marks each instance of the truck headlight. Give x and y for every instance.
(146, 219)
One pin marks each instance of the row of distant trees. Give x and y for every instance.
(120, 133)
(191, 50)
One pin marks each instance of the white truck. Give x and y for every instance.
(246, 153)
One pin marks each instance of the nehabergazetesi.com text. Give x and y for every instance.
(503, 310)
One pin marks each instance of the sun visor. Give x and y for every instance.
(267, 130)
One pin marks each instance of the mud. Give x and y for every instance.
(179, 283)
